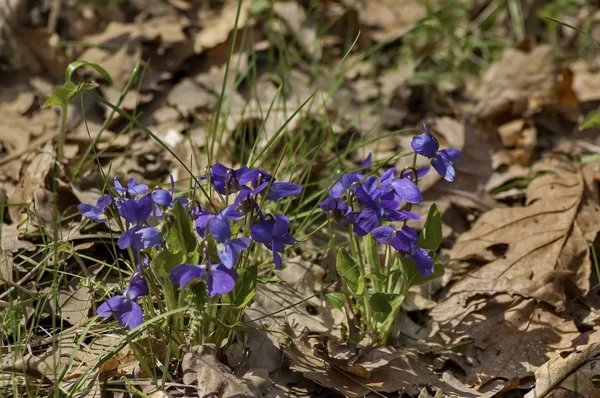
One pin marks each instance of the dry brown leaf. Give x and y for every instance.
(389, 19)
(300, 279)
(74, 303)
(570, 374)
(514, 83)
(586, 79)
(202, 370)
(32, 179)
(217, 27)
(539, 245)
(510, 337)
(301, 27)
(403, 374)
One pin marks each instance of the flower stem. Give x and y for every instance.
(61, 138)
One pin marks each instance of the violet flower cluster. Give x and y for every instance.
(144, 214)
(370, 203)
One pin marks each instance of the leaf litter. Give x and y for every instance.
(520, 224)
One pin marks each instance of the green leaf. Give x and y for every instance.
(431, 235)
(337, 300)
(386, 306)
(348, 269)
(410, 272)
(372, 254)
(63, 95)
(181, 236)
(73, 66)
(593, 121)
(165, 261)
(245, 287)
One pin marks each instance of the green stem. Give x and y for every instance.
(357, 254)
(61, 138)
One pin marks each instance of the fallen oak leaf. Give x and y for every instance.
(546, 236)
(404, 373)
(569, 374)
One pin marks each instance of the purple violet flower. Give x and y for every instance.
(138, 237)
(345, 182)
(221, 231)
(405, 241)
(124, 307)
(367, 162)
(260, 179)
(95, 213)
(427, 145)
(274, 234)
(132, 189)
(219, 279)
(404, 189)
(336, 209)
(226, 180)
(376, 208)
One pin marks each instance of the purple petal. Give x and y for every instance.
(390, 200)
(228, 256)
(136, 212)
(104, 201)
(425, 145)
(201, 223)
(402, 242)
(425, 264)
(91, 212)
(367, 161)
(280, 190)
(281, 227)
(125, 239)
(382, 234)
(337, 190)
(162, 197)
(136, 189)
(388, 176)
(184, 273)
(410, 235)
(451, 153)
(149, 236)
(370, 185)
(221, 281)
(262, 232)
(118, 187)
(420, 173)
(111, 306)
(407, 190)
(364, 197)
(367, 221)
(131, 316)
(231, 213)
(442, 165)
(219, 229)
(240, 244)
(138, 287)
(277, 259)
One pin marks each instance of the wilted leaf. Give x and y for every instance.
(543, 241)
(74, 303)
(570, 374)
(515, 83)
(403, 372)
(219, 26)
(510, 337)
(279, 303)
(202, 370)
